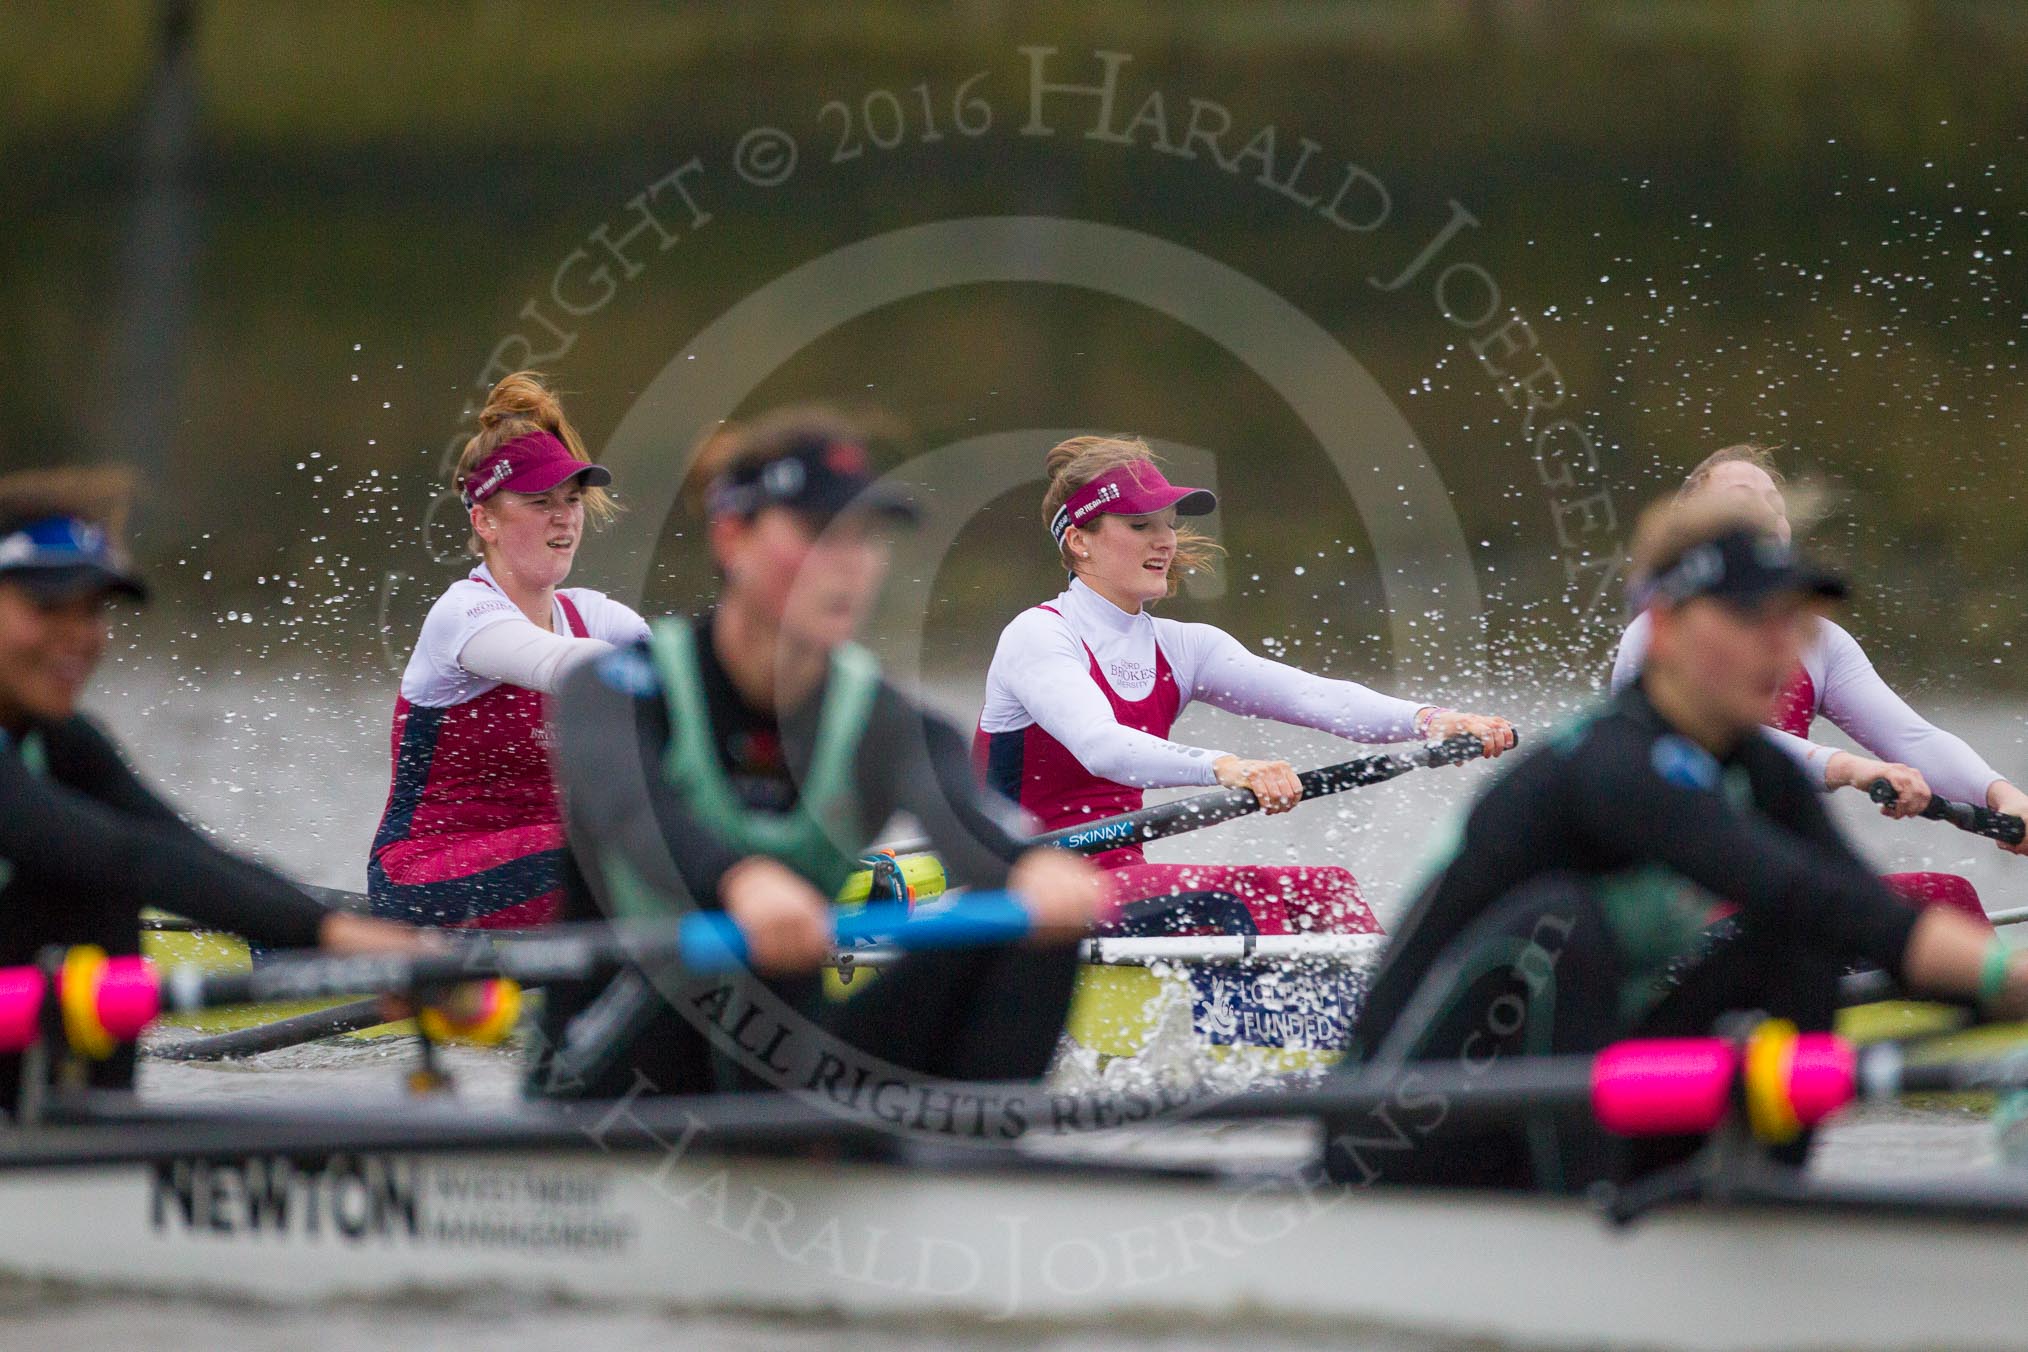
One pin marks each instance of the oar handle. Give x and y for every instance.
(1222, 805)
(1355, 774)
(711, 942)
(1980, 821)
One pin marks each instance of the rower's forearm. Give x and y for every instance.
(520, 654)
(218, 890)
(1944, 759)
(1245, 683)
(1142, 760)
(63, 837)
(1796, 873)
(1947, 953)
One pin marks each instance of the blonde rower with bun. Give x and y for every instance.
(472, 834)
(1084, 690)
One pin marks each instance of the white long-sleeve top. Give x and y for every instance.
(1852, 695)
(1041, 674)
(474, 639)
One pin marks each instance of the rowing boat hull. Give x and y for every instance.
(1029, 1244)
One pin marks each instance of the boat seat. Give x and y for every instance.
(1939, 889)
(1276, 899)
(1179, 913)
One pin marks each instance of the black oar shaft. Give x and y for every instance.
(97, 1133)
(1221, 805)
(1980, 821)
(267, 1037)
(1370, 1109)
(1985, 1075)
(535, 961)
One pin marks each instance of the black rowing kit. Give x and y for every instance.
(84, 846)
(1575, 910)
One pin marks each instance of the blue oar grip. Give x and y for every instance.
(711, 942)
(962, 922)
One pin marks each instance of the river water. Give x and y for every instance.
(293, 766)
(295, 770)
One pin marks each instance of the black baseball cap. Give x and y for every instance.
(58, 558)
(1742, 567)
(821, 476)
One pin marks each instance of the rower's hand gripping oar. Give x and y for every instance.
(96, 1002)
(1980, 821)
(711, 942)
(1222, 805)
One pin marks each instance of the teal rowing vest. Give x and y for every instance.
(813, 837)
(1656, 915)
(36, 758)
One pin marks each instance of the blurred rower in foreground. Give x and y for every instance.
(1572, 912)
(742, 760)
(1834, 679)
(84, 845)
